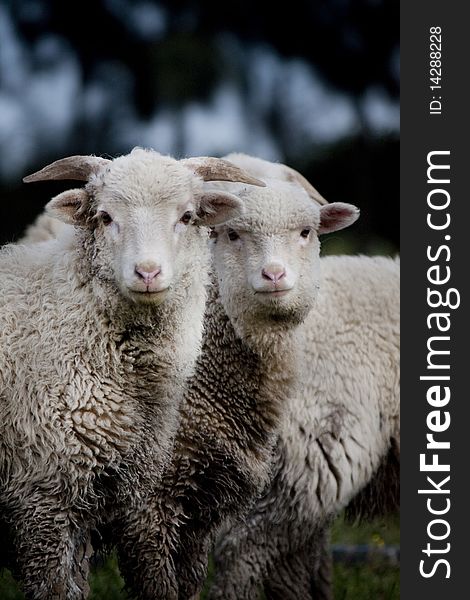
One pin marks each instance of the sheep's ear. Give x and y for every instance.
(69, 206)
(218, 207)
(337, 215)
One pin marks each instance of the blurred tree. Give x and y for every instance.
(138, 59)
(352, 42)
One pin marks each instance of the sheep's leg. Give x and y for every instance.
(52, 555)
(146, 540)
(323, 575)
(244, 582)
(84, 551)
(289, 579)
(250, 558)
(191, 564)
(192, 561)
(305, 574)
(294, 577)
(240, 567)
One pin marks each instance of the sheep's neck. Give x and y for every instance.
(276, 343)
(241, 383)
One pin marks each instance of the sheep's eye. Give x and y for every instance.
(186, 218)
(213, 234)
(305, 233)
(105, 217)
(232, 235)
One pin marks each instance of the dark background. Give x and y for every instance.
(310, 83)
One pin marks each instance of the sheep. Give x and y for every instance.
(100, 328)
(43, 229)
(263, 286)
(339, 439)
(190, 516)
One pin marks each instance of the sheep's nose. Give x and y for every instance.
(147, 273)
(273, 273)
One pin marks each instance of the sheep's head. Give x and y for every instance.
(142, 213)
(266, 260)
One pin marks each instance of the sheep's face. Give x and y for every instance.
(143, 211)
(267, 261)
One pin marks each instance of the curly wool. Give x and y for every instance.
(232, 411)
(86, 395)
(222, 453)
(338, 433)
(43, 229)
(90, 383)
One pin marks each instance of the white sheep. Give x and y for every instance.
(99, 330)
(43, 229)
(264, 285)
(339, 436)
(253, 358)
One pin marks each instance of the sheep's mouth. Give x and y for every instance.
(148, 294)
(273, 293)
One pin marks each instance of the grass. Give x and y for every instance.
(106, 582)
(378, 532)
(375, 580)
(364, 582)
